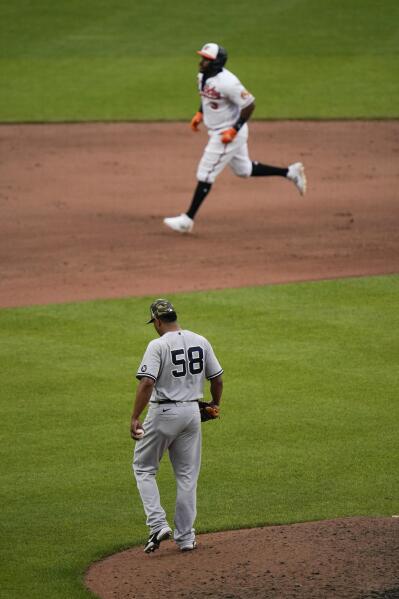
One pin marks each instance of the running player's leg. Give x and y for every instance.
(147, 456)
(213, 161)
(185, 455)
(244, 167)
(215, 158)
(294, 172)
(265, 170)
(241, 164)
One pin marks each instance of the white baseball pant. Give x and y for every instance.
(217, 155)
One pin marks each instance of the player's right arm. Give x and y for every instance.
(143, 395)
(147, 375)
(197, 119)
(151, 362)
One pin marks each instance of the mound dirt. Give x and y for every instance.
(354, 558)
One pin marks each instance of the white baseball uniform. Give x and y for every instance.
(223, 97)
(178, 362)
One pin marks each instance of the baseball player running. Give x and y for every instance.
(225, 108)
(171, 379)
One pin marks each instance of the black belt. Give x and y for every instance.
(172, 401)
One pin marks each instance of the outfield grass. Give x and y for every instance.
(97, 60)
(310, 375)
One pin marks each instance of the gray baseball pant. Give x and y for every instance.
(175, 427)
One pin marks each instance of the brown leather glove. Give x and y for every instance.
(196, 121)
(228, 135)
(208, 411)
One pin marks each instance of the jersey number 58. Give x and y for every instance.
(194, 359)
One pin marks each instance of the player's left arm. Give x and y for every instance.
(210, 411)
(244, 100)
(216, 388)
(143, 395)
(245, 115)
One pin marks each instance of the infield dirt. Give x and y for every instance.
(82, 209)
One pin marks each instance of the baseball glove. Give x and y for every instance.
(208, 411)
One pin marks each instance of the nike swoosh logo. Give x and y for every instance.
(167, 410)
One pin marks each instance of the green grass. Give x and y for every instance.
(308, 428)
(97, 60)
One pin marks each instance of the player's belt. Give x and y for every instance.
(172, 401)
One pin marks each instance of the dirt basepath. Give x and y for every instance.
(82, 209)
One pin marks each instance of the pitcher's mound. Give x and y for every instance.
(354, 558)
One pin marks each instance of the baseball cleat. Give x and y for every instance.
(296, 173)
(190, 547)
(155, 539)
(182, 223)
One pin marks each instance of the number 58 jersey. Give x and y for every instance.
(179, 362)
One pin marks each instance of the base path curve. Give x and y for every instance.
(82, 208)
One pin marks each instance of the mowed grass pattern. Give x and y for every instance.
(128, 60)
(308, 428)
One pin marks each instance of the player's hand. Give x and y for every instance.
(228, 135)
(208, 411)
(196, 121)
(135, 426)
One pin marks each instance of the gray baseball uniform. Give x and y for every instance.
(178, 362)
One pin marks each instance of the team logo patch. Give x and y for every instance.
(211, 92)
(245, 94)
(143, 368)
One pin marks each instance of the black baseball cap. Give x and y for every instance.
(161, 307)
